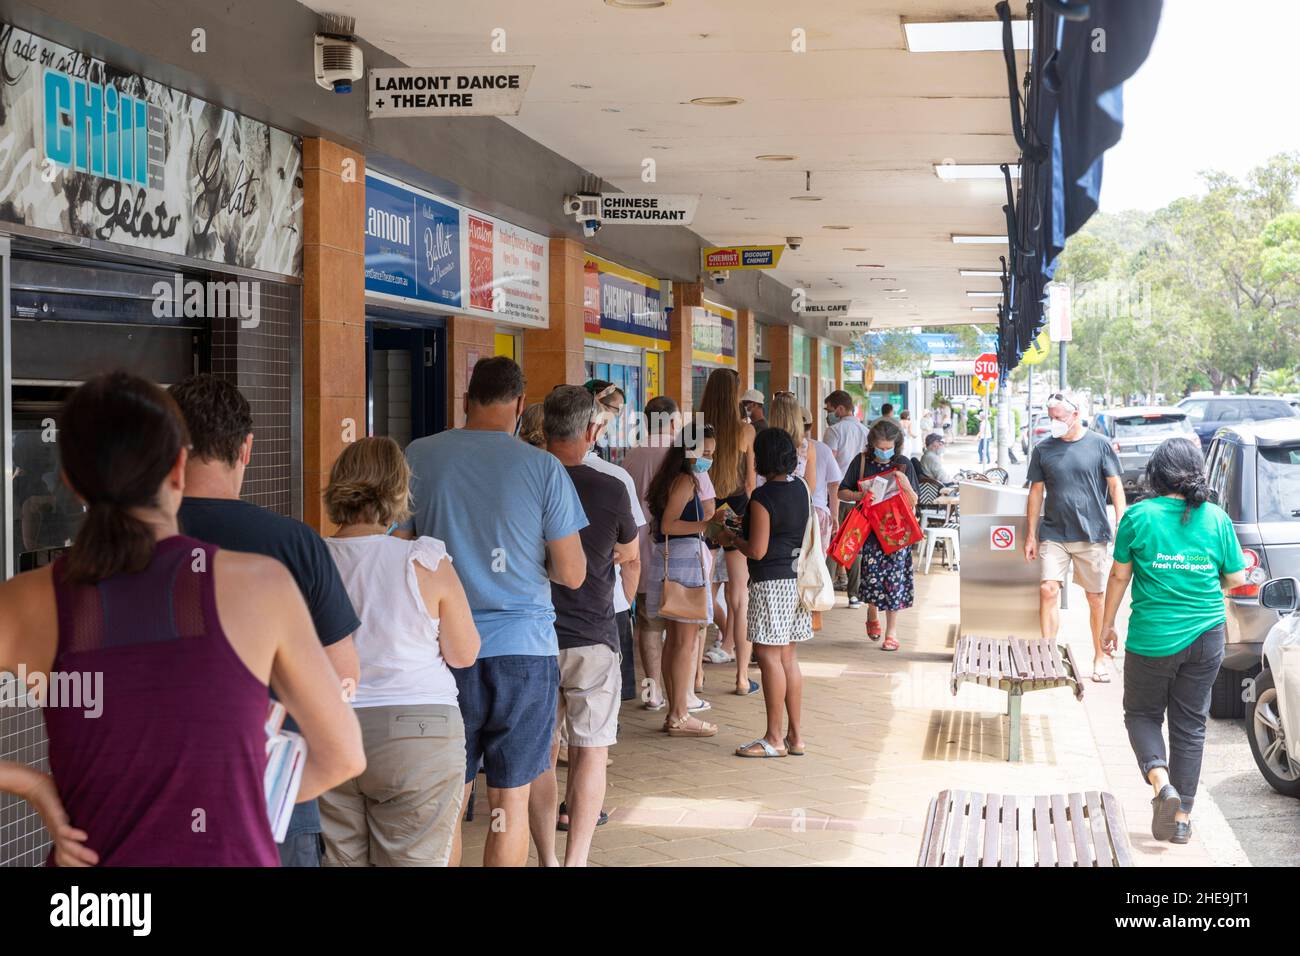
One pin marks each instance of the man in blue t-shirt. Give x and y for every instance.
(221, 437)
(509, 516)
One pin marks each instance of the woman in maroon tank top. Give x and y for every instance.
(159, 761)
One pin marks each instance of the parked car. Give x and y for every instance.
(1207, 415)
(1039, 426)
(1135, 432)
(1273, 712)
(1253, 472)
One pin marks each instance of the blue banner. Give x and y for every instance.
(412, 244)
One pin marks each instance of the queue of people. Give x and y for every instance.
(478, 605)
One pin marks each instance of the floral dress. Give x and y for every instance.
(887, 579)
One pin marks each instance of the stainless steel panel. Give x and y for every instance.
(986, 498)
(999, 589)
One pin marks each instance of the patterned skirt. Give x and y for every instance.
(684, 567)
(775, 615)
(886, 578)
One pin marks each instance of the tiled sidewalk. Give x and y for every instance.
(884, 735)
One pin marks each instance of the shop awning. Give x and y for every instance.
(1073, 111)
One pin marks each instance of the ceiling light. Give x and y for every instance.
(985, 295)
(717, 101)
(806, 198)
(610, 109)
(963, 36)
(980, 240)
(637, 4)
(837, 227)
(637, 129)
(870, 265)
(893, 290)
(955, 171)
(896, 298)
(981, 274)
(882, 279)
(776, 157)
(855, 248)
(983, 308)
(581, 86)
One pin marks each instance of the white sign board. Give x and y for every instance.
(638, 210)
(1058, 312)
(828, 309)
(848, 325)
(1002, 537)
(507, 271)
(448, 91)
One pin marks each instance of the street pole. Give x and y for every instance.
(1029, 414)
(1004, 419)
(1063, 345)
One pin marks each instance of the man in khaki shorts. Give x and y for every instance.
(1075, 468)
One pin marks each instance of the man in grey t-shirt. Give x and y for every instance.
(1076, 468)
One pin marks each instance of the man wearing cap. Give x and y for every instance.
(932, 460)
(1075, 468)
(752, 403)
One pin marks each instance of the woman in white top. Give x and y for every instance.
(788, 416)
(404, 810)
(911, 437)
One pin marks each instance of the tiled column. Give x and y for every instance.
(681, 334)
(839, 366)
(815, 396)
(745, 348)
(468, 340)
(780, 348)
(553, 356)
(333, 314)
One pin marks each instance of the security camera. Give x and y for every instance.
(794, 242)
(582, 206)
(590, 227)
(719, 276)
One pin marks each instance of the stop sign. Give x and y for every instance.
(986, 367)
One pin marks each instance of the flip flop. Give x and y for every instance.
(1101, 677)
(768, 750)
(753, 689)
(791, 749)
(716, 655)
(652, 707)
(698, 707)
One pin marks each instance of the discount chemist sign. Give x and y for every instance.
(451, 91)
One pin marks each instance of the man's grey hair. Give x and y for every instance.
(934, 438)
(567, 412)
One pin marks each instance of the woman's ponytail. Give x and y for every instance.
(1177, 467)
(119, 437)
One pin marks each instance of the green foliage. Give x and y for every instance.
(893, 349)
(1204, 293)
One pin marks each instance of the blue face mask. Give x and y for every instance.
(702, 465)
(884, 454)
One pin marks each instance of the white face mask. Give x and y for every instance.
(1058, 428)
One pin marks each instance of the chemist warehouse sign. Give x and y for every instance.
(622, 306)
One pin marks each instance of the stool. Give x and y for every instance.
(951, 546)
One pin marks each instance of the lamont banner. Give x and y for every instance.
(102, 153)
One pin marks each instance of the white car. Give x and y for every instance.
(1273, 712)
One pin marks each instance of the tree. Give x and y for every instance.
(895, 349)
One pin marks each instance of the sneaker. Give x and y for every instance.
(855, 602)
(1163, 807)
(1182, 832)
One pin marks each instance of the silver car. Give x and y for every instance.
(1135, 432)
(1254, 474)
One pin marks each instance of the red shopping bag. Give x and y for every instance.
(849, 537)
(894, 524)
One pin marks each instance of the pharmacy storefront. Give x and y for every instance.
(713, 342)
(626, 333)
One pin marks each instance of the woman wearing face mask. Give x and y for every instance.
(886, 578)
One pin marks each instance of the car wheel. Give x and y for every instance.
(1267, 744)
(1225, 699)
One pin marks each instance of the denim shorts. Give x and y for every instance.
(508, 704)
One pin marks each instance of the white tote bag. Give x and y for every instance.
(816, 588)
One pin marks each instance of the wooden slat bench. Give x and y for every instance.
(990, 829)
(1016, 666)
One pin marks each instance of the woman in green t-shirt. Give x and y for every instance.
(1180, 552)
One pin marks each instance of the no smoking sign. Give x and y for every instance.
(1002, 538)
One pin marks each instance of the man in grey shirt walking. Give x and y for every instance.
(1075, 468)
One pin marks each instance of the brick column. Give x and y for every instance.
(745, 348)
(780, 349)
(681, 335)
(553, 356)
(468, 340)
(333, 314)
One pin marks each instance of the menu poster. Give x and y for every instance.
(480, 263)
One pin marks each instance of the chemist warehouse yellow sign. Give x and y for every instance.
(622, 306)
